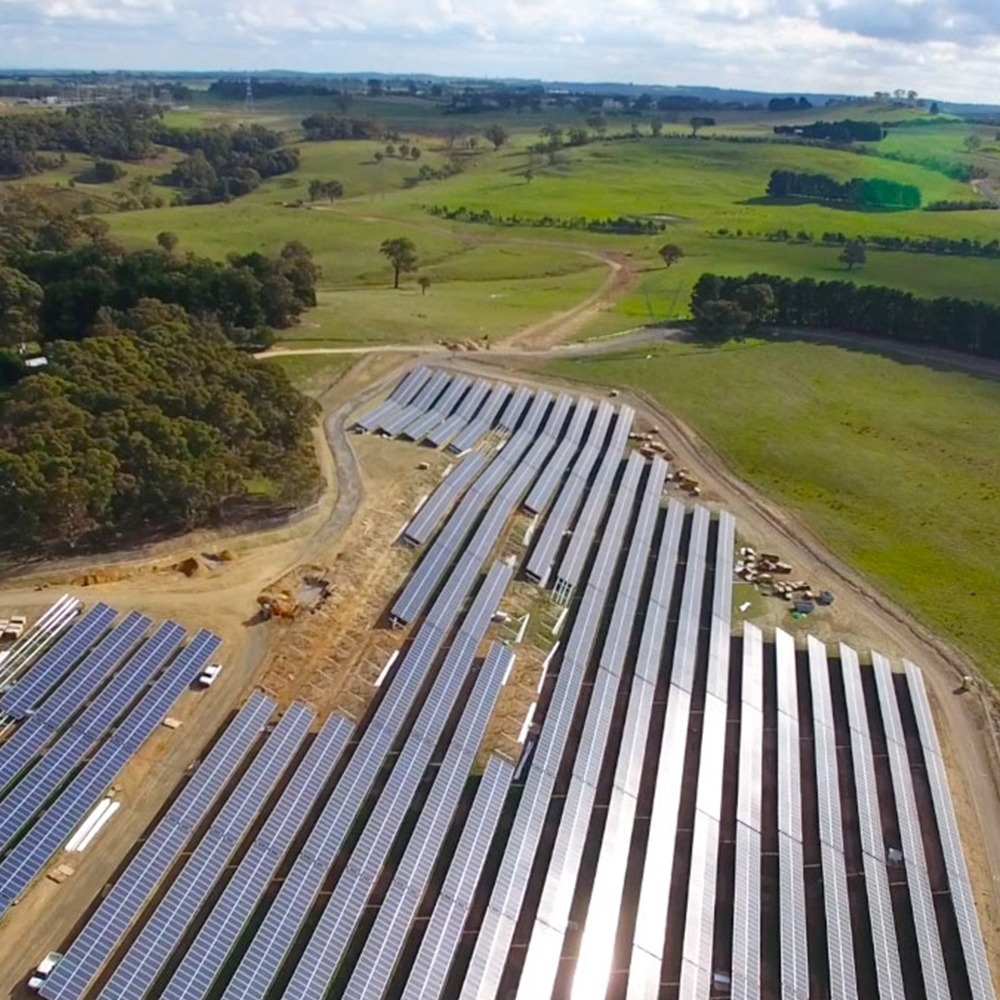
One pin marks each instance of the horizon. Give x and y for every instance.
(948, 50)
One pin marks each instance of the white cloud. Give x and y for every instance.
(948, 48)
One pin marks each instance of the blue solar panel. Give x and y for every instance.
(444, 929)
(427, 519)
(71, 695)
(281, 925)
(109, 924)
(30, 795)
(388, 935)
(232, 912)
(178, 909)
(31, 855)
(56, 663)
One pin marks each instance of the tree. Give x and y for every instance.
(414, 152)
(401, 253)
(699, 122)
(20, 300)
(496, 134)
(758, 302)
(721, 320)
(106, 171)
(167, 241)
(315, 189)
(854, 253)
(935, 108)
(656, 128)
(424, 282)
(598, 123)
(333, 189)
(670, 253)
(529, 175)
(973, 143)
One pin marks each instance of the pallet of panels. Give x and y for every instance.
(176, 911)
(101, 934)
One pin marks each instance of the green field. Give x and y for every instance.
(895, 466)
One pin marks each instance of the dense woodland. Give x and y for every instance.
(726, 307)
(859, 192)
(146, 418)
(152, 424)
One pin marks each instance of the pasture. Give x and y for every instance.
(895, 466)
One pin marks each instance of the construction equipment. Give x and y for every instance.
(278, 605)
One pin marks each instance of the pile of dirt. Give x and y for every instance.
(189, 567)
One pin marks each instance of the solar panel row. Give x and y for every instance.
(686, 648)
(428, 974)
(426, 521)
(283, 920)
(745, 977)
(232, 912)
(489, 955)
(699, 922)
(420, 404)
(453, 538)
(176, 911)
(921, 900)
(37, 730)
(328, 943)
(514, 410)
(969, 930)
(108, 925)
(573, 562)
(439, 411)
(398, 909)
(463, 415)
(792, 910)
(33, 852)
(403, 394)
(469, 436)
(564, 510)
(53, 665)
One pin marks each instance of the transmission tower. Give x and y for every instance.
(248, 100)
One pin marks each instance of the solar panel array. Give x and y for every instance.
(32, 853)
(366, 866)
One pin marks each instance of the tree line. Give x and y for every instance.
(938, 246)
(59, 273)
(861, 192)
(727, 307)
(326, 127)
(846, 131)
(153, 425)
(622, 225)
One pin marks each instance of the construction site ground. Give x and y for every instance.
(332, 655)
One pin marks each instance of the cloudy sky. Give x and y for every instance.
(942, 48)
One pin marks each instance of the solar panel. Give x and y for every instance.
(486, 964)
(746, 915)
(572, 565)
(514, 410)
(483, 420)
(281, 925)
(101, 934)
(748, 800)
(792, 908)
(441, 938)
(887, 699)
(699, 924)
(398, 909)
(37, 730)
(785, 674)
(722, 603)
(883, 923)
(26, 861)
(839, 939)
(51, 667)
(686, 648)
(410, 385)
(924, 917)
(426, 521)
(49, 774)
(565, 508)
(232, 912)
(857, 713)
(178, 908)
(657, 872)
(976, 962)
(541, 493)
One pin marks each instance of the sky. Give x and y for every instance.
(946, 49)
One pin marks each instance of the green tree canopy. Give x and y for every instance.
(401, 252)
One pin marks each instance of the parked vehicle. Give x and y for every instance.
(207, 677)
(43, 969)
